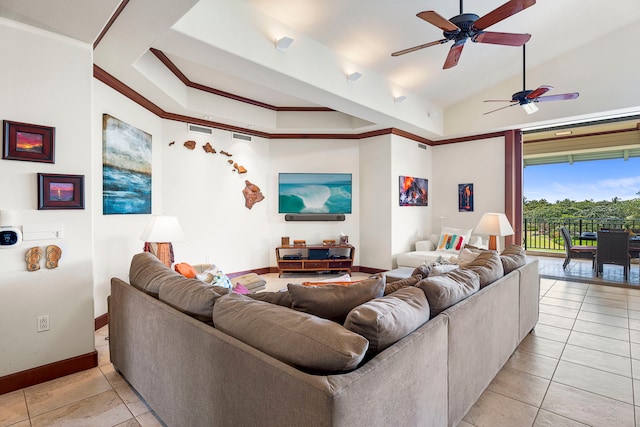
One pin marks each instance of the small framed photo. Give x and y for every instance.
(32, 143)
(465, 197)
(57, 191)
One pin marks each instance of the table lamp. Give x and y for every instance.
(160, 231)
(493, 225)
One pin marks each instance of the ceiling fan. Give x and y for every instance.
(466, 26)
(528, 98)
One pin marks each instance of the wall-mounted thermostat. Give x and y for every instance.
(10, 237)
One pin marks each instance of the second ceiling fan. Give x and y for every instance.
(466, 26)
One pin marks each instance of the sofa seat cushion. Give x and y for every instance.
(386, 320)
(334, 302)
(513, 257)
(192, 297)
(299, 339)
(447, 289)
(488, 266)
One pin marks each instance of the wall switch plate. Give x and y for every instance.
(43, 323)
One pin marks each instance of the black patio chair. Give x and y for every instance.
(575, 251)
(613, 248)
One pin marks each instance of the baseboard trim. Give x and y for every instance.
(370, 270)
(101, 321)
(41, 374)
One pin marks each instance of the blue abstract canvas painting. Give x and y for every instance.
(126, 168)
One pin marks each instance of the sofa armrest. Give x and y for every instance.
(425, 245)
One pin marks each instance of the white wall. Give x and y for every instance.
(46, 80)
(117, 237)
(480, 163)
(375, 196)
(308, 155)
(409, 223)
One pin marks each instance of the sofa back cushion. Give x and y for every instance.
(192, 297)
(513, 257)
(383, 321)
(280, 298)
(334, 302)
(447, 289)
(488, 266)
(148, 274)
(298, 339)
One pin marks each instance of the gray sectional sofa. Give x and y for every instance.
(193, 374)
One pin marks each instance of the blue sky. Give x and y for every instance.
(595, 180)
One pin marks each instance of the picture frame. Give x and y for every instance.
(27, 142)
(413, 191)
(57, 191)
(465, 197)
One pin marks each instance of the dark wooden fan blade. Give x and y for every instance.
(561, 97)
(453, 56)
(501, 108)
(506, 10)
(507, 39)
(434, 18)
(422, 46)
(539, 92)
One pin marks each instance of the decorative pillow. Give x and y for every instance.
(280, 298)
(450, 243)
(240, 289)
(444, 291)
(464, 232)
(334, 302)
(299, 339)
(191, 297)
(186, 270)
(488, 266)
(512, 257)
(390, 288)
(383, 321)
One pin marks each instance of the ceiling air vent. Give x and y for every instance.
(200, 129)
(423, 146)
(241, 136)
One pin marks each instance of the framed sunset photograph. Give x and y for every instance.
(57, 191)
(23, 141)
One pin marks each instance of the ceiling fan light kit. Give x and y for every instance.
(353, 77)
(530, 107)
(283, 43)
(466, 26)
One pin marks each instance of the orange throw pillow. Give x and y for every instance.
(328, 283)
(186, 270)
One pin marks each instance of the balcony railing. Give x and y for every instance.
(543, 234)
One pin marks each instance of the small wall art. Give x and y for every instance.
(414, 191)
(32, 143)
(126, 168)
(465, 197)
(56, 191)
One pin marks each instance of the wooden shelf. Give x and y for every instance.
(330, 261)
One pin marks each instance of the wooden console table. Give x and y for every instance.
(294, 259)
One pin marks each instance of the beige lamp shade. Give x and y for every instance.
(494, 224)
(162, 228)
(160, 231)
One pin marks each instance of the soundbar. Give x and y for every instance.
(314, 217)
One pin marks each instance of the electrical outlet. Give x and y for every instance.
(43, 323)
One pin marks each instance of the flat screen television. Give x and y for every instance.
(313, 193)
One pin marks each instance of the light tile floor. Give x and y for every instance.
(580, 366)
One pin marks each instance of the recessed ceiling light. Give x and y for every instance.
(563, 133)
(206, 117)
(352, 77)
(283, 43)
(399, 99)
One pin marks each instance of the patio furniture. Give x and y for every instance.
(576, 251)
(613, 248)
